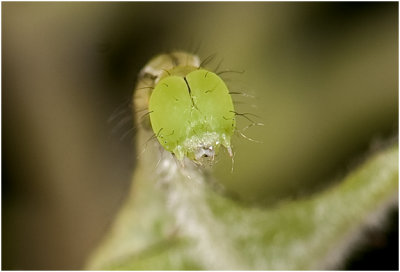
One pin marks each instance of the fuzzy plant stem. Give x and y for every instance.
(174, 220)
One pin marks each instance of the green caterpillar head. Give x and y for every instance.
(192, 114)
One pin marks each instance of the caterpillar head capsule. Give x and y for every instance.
(192, 114)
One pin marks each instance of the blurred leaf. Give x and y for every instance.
(187, 225)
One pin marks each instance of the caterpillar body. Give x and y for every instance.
(190, 110)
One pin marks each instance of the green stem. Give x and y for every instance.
(173, 219)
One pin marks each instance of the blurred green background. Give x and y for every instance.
(324, 77)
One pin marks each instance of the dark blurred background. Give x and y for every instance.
(325, 78)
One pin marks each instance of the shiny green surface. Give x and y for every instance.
(185, 110)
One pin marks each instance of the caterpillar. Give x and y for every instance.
(188, 108)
